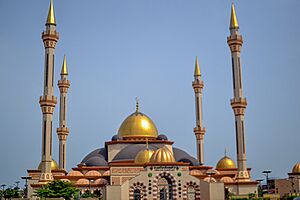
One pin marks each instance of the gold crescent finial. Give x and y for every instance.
(147, 146)
(137, 104)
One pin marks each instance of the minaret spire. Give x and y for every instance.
(233, 20)
(64, 68)
(51, 16)
(238, 102)
(63, 130)
(197, 68)
(199, 130)
(48, 100)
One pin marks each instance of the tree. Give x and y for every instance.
(56, 189)
(88, 194)
(10, 193)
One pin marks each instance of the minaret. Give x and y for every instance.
(62, 130)
(199, 130)
(238, 102)
(48, 100)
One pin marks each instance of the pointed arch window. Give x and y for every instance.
(191, 193)
(165, 189)
(136, 194)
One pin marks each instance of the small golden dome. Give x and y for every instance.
(226, 179)
(162, 155)
(83, 181)
(143, 156)
(138, 125)
(296, 168)
(92, 173)
(74, 173)
(54, 165)
(101, 181)
(226, 163)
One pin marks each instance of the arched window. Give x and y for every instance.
(137, 194)
(165, 189)
(191, 193)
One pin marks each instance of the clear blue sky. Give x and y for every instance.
(120, 49)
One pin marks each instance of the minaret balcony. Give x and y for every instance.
(199, 131)
(50, 38)
(235, 37)
(63, 83)
(62, 131)
(235, 42)
(239, 105)
(52, 34)
(238, 102)
(198, 85)
(48, 101)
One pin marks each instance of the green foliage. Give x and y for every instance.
(290, 197)
(10, 193)
(56, 189)
(88, 194)
(251, 196)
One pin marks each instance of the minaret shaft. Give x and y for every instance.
(198, 105)
(48, 100)
(62, 130)
(199, 130)
(237, 75)
(49, 72)
(238, 102)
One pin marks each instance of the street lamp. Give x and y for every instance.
(266, 173)
(26, 178)
(210, 173)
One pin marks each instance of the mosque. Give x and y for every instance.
(138, 162)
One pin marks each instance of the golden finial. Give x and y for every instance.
(147, 146)
(225, 152)
(51, 17)
(233, 19)
(64, 69)
(137, 104)
(197, 68)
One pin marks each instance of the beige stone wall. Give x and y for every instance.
(117, 192)
(212, 190)
(243, 189)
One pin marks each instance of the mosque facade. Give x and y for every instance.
(138, 162)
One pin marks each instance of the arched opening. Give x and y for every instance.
(98, 192)
(165, 188)
(137, 194)
(191, 193)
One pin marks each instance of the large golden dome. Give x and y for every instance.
(296, 168)
(143, 156)
(54, 165)
(162, 155)
(138, 125)
(226, 163)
